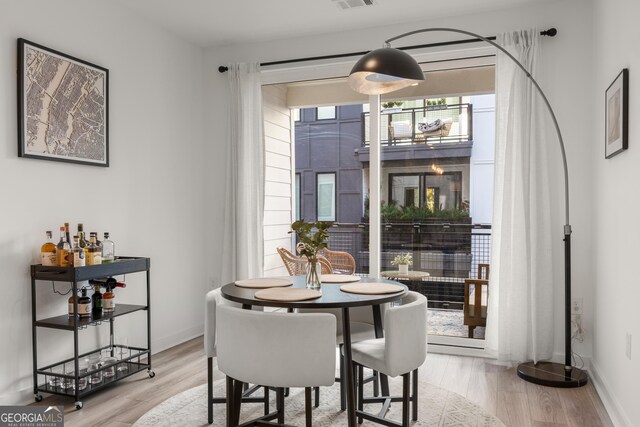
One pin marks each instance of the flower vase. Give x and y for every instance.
(403, 268)
(313, 274)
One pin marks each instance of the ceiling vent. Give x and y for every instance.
(350, 4)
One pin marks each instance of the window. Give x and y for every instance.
(326, 194)
(435, 191)
(296, 114)
(326, 113)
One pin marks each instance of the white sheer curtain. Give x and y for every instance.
(520, 315)
(244, 197)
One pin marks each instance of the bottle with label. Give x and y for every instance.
(108, 300)
(79, 258)
(98, 242)
(96, 302)
(72, 298)
(48, 252)
(108, 249)
(63, 249)
(84, 304)
(82, 241)
(94, 256)
(66, 231)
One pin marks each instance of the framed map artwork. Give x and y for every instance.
(62, 107)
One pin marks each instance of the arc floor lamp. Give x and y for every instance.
(387, 70)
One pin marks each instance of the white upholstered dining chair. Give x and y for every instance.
(402, 350)
(276, 350)
(212, 301)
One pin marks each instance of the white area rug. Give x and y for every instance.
(437, 407)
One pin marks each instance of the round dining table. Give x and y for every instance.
(332, 297)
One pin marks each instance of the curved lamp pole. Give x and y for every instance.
(386, 70)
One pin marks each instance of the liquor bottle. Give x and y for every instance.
(82, 241)
(66, 231)
(72, 298)
(48, 252)
(108, 302)
(94, 256)
(63, 249)
(84, 304)
(79, 258)
(96, 302)
(108, 249)
(98, 242)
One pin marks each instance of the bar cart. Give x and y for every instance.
(72, 377)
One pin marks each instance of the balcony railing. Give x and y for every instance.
(449, 252)
(432, 124)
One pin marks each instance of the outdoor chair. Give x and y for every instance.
(297, 265)
(475, 310)
(341, 262)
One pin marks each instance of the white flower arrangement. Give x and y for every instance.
(403, 259)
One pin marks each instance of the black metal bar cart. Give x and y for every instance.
(66, 377)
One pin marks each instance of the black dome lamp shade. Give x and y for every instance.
(384, 70)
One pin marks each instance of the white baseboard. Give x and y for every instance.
(25, 396)
(616, 412)
(173, 340)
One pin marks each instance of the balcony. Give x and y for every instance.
(433, 131)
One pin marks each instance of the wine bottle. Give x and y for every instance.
(48, 252)
(96, 301)
(66, 231)
(79, 258)
(108, 249)
(63, 249)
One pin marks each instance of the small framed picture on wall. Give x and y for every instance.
(616, 124)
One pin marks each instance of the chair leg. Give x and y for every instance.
(376, 384)
(343, 396)
(360, 384)
(307, 406)
(317, 397)
(471, 328)
(229, 401)
(280, 404)
(405, 399)
(210, 390)
(266, 400)
(415, 395)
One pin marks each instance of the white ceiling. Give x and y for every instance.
(211, 23)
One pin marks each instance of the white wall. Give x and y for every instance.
(570, 52)
(615, 202)
(278, 177)
(150, 198)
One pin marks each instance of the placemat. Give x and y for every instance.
(264, 282)
(371, 288)
(339, 278)
(285, 295)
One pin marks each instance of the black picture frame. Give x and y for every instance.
(616, 117)
(63, 107)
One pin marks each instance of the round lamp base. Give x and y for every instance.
(552, 374)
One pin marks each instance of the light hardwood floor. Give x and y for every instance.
(494, 387)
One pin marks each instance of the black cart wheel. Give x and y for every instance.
(78, 405)
(151, 374)
(38, 397)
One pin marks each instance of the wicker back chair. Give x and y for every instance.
(342, 262)
(297, 265)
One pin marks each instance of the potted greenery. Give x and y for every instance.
(403, 261)
(309, 243)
